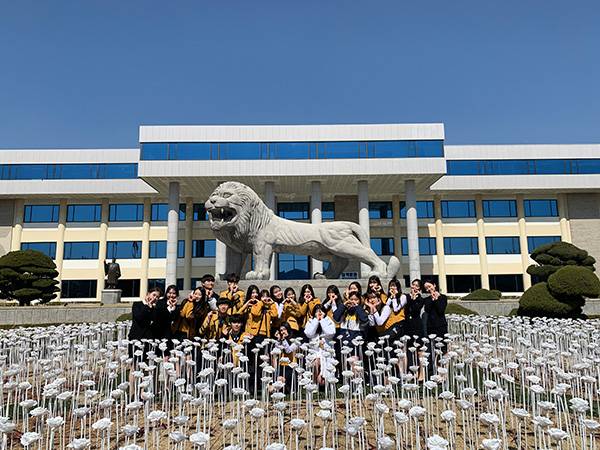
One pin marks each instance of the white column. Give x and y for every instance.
(145, 247)
(397, 232)
(363, 216)
(172, 233)
(523, 241)
(485, 275)
(439, 243)
(18, 224)
(102, 246)
(270, 202)
(187, 245)
(412, 230)
(60, 241)
(316, 217)
(563, 214)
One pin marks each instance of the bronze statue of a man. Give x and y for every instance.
(113, 272)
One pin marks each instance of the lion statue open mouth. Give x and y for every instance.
(241, 220)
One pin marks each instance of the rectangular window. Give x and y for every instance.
(291, 150)
(155, 151)
(81, 250)
(502, 245)
(335, 150)
(541, 208)
(293, 267)
(129, 288)
(426, 246)
(461, 246)
(551, 166)
(391, 149)
(160, 212)
(507, 167)
(124, 249)
(47, 248)
(204, 249)
(424, 210)
(458, 208)
(328, 211)
(200, 212)
(383, 246)
(193, 150)
(41, 213)
(430, 149)
(534, 242)
(84, 213)
(463, 283)
(78, 171)
(126, 213)
(159, 283)
(499, 208)
(158, 249)
(507, 283)
(30, 171)
(78, 288)
(293, 211)
(380, 210)
(586, 166)
(243, 150)
(468, 167)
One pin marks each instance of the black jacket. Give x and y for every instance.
(143, 318)
(436, 310)
(412, 315)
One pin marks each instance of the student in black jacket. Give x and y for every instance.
(435, 306)
(143, 317)
(414, 326)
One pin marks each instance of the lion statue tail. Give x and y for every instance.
(393, 267)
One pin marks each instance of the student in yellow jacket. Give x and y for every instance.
(216, 322)
(375, 286)
(234, 335)
(261, 314)
(395, 325)
(307, 303)
(192, 312)
(237, 297)
(287, 310)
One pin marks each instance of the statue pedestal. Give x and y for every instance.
(111, 296)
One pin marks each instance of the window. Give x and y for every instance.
(383, 246)
(204, 249)
(41, 213)
(430, 149)
(78, 288)
(426, 246)
(81, 250)
(191, 150)
(84, 213)
(129, 288)
(293, 267)
(534, 242)
(463, 283)
(196, 282)
(424, 210)
(200, 212)
(124, 249)
(341, 150)
(461, 246)
(502, 245)
(47, 248)
(155, 151)
(159, 283)
(507, 283)
(380, 210)
(328, 211)
(523, 166)
(126, 213)
(468, 167)
(586, 166)
(541, 208)
(243, 150)
(158, 249)
(293, 150)
(458, 208)
(499, 208)
(67, 171)
(160, 212)
(293, 211)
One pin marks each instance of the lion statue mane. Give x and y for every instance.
(241, 220)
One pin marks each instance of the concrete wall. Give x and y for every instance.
(584, 215)
(61, 314)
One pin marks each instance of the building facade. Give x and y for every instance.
(466, 216)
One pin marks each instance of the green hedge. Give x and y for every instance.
(124, 317)
(455, 308)
(574, 281)
(481, 294)
(538, 301)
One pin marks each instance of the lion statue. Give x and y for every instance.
(241, 220)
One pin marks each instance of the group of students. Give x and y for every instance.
(339, 319)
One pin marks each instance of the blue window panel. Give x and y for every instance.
(499, 208)
(458, 208)
(129, 288)
(430, 149)
(391, 149)
(47, 248)
(461, 246)
(243, 150)
(155, 151)
(78, 172)
(412, 149)
(502, 245)
(293, 267)
(84, 213)
(383, 246)
(507, 167)
(586, 166)
(370, 149)
(424, 210)
(78, 288)
(507, 283)
(462, 167)
(336, 150)
(380, 210)
(126, 213)
(200, 212)
(158, 249)
(293, 150)
(293, 211)
(115, 171)
(534, 242)
(541, 208)
(158, 282)
(124, 249)
(181, 249)
(160, 212)
(8, 171)
(30, 172)
(204, 249)
(550, 166)
(426, 246)
(81, 250)
(264, 151)
(328, 210)
(41, 213)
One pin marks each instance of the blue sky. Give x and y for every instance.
(85, 74)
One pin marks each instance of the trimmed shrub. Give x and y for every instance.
(481, 294)
(537, 301)
(455, 308)
(513, 312)
(574, 281)
(496, 292)
(124, 317)
(555, 255)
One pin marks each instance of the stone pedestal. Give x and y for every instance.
(111, 296)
